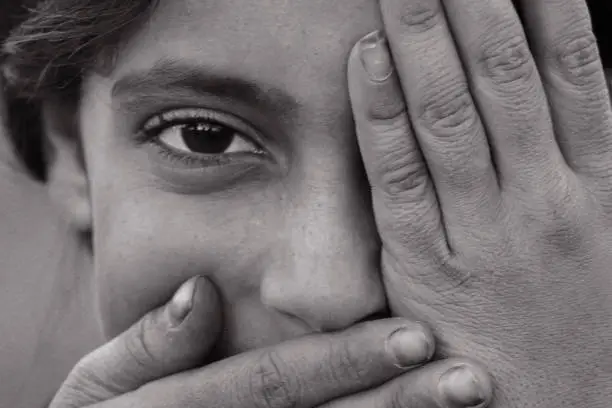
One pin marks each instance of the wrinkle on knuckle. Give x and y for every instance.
(390, 121)
(138, 348)
(345, 363)
(84, 384)
(578, 56)
(466, 181)
(446, 111)
(404, 395)
(423, 218)
(76, 395)
(508, 63)
(420, 16)
(271, 383)
(387, 110)
(402, 172)
(82, 376)
(462, 156)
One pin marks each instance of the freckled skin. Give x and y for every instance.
(291, 243)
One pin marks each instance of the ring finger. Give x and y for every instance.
(443, 115)
(509, 93)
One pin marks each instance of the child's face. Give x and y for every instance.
(288, 235)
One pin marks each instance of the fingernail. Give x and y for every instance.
(460, 388)
(410, 347)
(375, 56)
(182, 302)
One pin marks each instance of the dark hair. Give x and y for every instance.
(21, 118)
(47, 54)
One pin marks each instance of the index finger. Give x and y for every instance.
(300, 373)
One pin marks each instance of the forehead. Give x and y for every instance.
(287, 43)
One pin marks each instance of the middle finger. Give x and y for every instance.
(444, 117)
(510, 93)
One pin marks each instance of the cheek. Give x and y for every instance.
(146, 243)
(148, 240)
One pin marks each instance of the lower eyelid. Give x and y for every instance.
(189, 160)
(203, 180)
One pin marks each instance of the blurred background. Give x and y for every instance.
(47, 320)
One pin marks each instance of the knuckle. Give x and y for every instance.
(137, 347)
(392, 126)
(447, 110)
(578, 56)
(402, 171)
(404, 395)
(272, 383)
(465, 175)
(420, 16)
(345, 363)
(560, 217)
(82, 374)
(388, 112)
(424, 234)
(85, 384)
(508, 63)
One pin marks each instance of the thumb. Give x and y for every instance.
(176, 337)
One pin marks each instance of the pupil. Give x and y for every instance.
(207, 138)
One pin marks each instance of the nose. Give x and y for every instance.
(326, 268)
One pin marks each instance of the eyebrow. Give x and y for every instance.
(169, 76)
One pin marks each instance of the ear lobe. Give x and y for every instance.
(67, 181)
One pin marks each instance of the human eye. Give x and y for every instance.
(202, 137)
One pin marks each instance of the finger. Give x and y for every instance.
(566, 49)
(168, 340)
(442, 112)
(403, 192)
(300, 373)
(452, 383)
(508, 90)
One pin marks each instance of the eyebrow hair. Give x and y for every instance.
(170, 75)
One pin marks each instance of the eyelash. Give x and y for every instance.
(153, 127)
